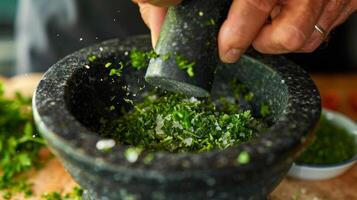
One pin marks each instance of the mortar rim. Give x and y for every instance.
(116, 161)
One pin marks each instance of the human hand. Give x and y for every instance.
(292, 27)
(153, 13)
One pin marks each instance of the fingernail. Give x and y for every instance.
(232, 56)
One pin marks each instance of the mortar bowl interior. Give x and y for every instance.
(74, 96)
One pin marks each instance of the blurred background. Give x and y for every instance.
(7, 44)
(338, 55)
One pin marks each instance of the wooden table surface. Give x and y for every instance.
(340, 88)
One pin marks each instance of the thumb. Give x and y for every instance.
(154, 18)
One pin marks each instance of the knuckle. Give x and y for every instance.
(314, 9)
(262, 5)
(336, 5)
(236, 37)
(343, 3)
(311, 8)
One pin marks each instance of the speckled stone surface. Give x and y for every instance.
(190, 30)
(71, 99)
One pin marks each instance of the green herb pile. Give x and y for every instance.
(75, 194)
(19, 148)
(19, 144)
(176, 123)
(331, 145)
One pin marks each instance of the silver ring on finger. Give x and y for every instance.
(321, 30)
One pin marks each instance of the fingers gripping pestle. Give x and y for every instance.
(187, 47)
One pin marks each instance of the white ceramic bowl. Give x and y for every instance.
(322, 172)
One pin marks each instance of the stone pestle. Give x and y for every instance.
(187, 47)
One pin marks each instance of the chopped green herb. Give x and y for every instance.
(52, 196)
(239, 90)
(75, 194)
(116, 72)
(132, 154)
(332, 144)
(128, 100)
(111, 108)
(166, 57)
(211, 22)
(151, 54)
(190, 72)
(227, 106)
(140, 59)
(176, 123)
(249, 96)
(7, 195)
(264, 110)
(19, 143)
(92, 58)
(149, 158)
(19, 149)
(108, 65)
(184, 64)
(243, 158)
(121, 64)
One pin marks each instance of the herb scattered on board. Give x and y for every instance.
(19, 144)
(331, 145)
(19, 148)
(75, 194)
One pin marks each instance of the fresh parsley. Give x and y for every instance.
(20, 144)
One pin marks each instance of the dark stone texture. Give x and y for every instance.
(190, 30)
(71, 99)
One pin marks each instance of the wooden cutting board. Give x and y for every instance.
(53, 177)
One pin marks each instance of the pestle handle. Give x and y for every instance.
(187, 47)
